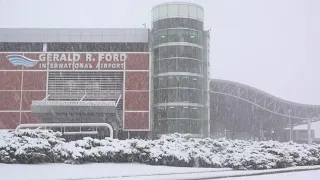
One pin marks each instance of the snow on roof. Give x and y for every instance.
(314, 126)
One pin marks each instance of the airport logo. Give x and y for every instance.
(19, 60)
(70, 61)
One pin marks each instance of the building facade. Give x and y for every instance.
(142, 82)
(76, 76)
(180, 69)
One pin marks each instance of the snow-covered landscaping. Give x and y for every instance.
(39, 146)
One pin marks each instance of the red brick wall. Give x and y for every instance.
(34, 80)
(137, 101)
(29, 96)
(21, 85)
(137, 62)
(10, 100)
(10, 80)
(137, 80)
(137, 120)
(9, 120)
(137, 93)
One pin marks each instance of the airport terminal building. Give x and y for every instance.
(136, 82)
(76, 76)
(143, 82)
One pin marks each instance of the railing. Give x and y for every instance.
(74, 103)
(64, 125)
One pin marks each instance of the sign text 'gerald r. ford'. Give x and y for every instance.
(82, 60)
(70, 57)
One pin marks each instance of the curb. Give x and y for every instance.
(208, 174)
(148, 175)
(278, 171)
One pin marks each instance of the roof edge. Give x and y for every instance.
(268, 94)
(177, 3)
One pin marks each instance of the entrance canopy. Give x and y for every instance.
(73, 107)
(76, 112)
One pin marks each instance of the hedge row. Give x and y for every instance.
(43, 146)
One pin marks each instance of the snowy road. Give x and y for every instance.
(305, 175)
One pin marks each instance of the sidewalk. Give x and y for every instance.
(222, 174)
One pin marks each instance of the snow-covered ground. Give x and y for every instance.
(309, 175)
(230, 175)
(3, 131)
(135, 171)
(90, 171)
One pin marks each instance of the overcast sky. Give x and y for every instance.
(273, 45)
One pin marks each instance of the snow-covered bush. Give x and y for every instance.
(35, 146)
(29, 146)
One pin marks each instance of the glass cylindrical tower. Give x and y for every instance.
(180, 69)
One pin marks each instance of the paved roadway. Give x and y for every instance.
(305, 175)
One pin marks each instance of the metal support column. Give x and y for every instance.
(309, 132)
(290, 126)
(261, 131)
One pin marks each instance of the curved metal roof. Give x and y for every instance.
(265, 100)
